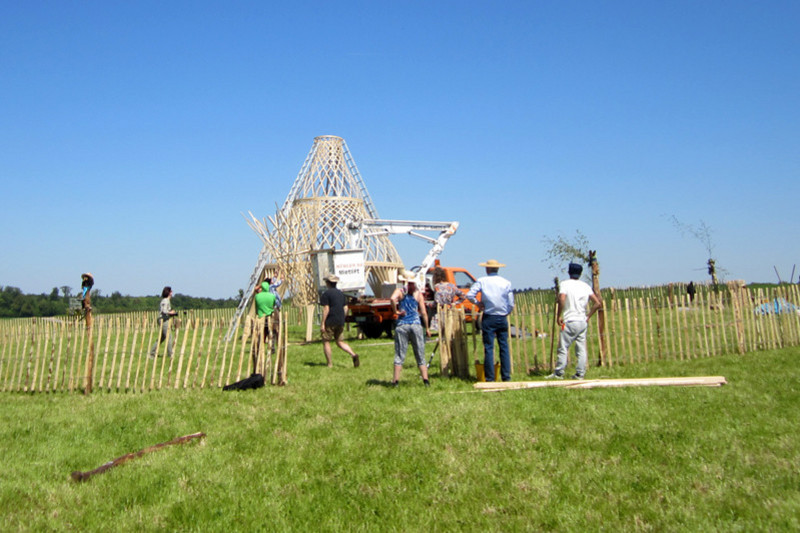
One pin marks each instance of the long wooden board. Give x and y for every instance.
(701, 381)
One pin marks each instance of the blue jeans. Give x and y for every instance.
(495, 326)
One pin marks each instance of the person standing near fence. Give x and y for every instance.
(410, 326)
(266, 303)
(444, 293)
(333, 313)
(274, 282)
(496, 303)
(573, 295)
(166, 312)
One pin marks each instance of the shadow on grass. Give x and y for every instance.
(379, 383)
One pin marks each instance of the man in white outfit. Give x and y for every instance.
(573, 295)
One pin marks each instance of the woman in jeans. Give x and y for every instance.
(166, 312)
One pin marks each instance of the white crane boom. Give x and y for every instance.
(369, 226)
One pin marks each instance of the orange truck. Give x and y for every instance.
(374, 316)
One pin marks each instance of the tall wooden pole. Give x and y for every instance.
(712, 271)
(553, 338)
(87, 281)
(601, 317)
(87, 389)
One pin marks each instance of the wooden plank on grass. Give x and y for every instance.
(701, 381)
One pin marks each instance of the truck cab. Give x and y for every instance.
(461, 278)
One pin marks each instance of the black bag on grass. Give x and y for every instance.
(255, 381)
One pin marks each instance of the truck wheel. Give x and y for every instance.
(372, 331)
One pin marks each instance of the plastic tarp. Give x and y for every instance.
(776, 307)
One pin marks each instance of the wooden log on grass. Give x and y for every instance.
(84, 476)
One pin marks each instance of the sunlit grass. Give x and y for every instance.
(338, 449)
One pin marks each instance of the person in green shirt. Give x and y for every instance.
(265, 304)
(265, 300)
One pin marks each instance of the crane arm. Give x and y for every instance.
(359, 229)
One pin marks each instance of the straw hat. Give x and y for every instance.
(333, 278)
(407, 276)
(492, 263)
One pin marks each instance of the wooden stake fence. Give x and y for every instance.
(53, 355)
(661, 324)
(63, 355)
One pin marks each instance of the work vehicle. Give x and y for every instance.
(374, 316)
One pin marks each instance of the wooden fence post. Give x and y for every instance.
(738, 319)
(554, 336)
(309, 322)
(535, 334)
(87, 389)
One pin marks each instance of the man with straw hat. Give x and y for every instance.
(496, 303)
(409, 306)
(333, 314)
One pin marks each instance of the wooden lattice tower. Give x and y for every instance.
(329, 189)
(327, 194)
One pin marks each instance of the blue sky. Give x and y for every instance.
(134, 134)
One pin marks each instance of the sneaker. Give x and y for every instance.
(394, 384)
(576, 376)
(554, 376)
(426, 382)
(356, 361)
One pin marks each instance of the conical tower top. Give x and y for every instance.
(329, 171)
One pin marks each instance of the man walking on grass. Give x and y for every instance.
(333, 313)
(573, 295)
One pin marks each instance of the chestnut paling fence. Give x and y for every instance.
(62, 355)
(662, 323)
(59, 355)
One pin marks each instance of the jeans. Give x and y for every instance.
(164, 335)
(573, 332)
(402, 335)
(495, 326)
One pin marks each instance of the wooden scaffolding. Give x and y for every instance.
(327, 194)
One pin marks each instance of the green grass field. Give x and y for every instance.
(339, 450)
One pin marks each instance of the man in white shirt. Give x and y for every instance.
(497, 302)
(573, 295)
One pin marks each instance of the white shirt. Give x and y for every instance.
(578, 293)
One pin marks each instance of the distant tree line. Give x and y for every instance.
(14, 303)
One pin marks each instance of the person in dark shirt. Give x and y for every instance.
(691, 291)
(333, 313)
